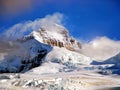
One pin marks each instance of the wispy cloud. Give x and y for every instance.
(21, 29)
(101, 48)
(7, 43)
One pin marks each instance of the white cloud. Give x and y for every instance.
(101, 48)
(20, 29)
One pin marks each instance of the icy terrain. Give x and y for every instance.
(51, 59)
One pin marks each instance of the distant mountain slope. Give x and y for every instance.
(112, 65)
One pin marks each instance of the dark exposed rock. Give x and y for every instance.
(68, 42)
(4, 77)
(35, 62)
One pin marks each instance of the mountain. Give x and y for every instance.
(112, 60)
(53, 49)
(116, 61)
(111, 65)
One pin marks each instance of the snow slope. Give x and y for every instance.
(61, 60)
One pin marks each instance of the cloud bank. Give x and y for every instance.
(101, 48)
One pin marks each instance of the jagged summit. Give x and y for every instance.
(59, 36)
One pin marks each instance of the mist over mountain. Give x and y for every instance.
(93, 49)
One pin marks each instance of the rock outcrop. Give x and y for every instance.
(66, 41)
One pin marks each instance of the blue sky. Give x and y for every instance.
(85, 19)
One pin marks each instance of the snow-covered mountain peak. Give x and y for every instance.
(57, 35)
(45, 45)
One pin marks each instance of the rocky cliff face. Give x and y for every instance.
(54, 38)
(68, 42)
